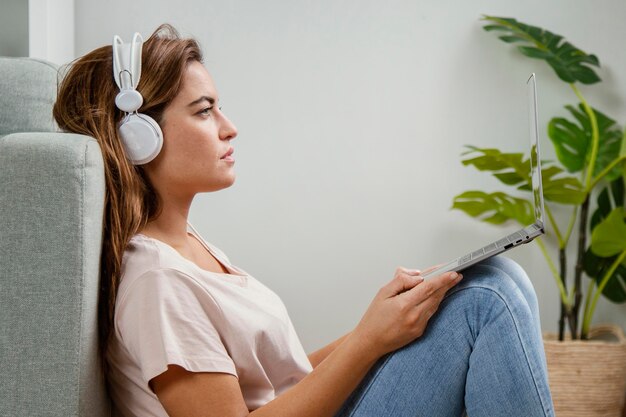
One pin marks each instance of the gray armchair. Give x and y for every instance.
(51, 210)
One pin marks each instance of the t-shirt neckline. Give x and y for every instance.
(238, 276)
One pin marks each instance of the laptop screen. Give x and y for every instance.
(535, 163)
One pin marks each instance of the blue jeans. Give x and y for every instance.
(482, 352)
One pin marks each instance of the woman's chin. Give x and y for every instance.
(224, 183)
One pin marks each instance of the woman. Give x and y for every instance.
(183, 332)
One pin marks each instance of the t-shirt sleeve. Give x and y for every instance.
(166, 318)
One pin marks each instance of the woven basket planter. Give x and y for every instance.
(588, 378)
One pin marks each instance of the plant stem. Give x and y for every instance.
(570, 227)
(606, 170)
(555, 273)
(605, 280)
(582, 241)
(564, 311)
(563, 277)
(584, 331)
(557, 232)
(595, 136)
(595, 142)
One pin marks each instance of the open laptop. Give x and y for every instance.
(527, 233)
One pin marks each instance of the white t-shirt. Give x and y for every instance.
(171, 311)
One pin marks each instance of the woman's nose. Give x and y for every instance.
(228, 130)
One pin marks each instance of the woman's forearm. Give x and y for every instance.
(323, 391)
(319, 355)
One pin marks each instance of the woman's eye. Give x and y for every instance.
(205, 112)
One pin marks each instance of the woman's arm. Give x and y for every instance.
(319, 355)
(398, 314)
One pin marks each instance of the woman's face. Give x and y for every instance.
(196, 154)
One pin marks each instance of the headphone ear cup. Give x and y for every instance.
(142, 138)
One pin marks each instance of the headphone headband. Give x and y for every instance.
(141, 135)
(127, 62)
(127, 72)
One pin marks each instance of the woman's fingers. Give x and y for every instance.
(408, 271)
(426, 298)
(432, 268)
(440, 284)
(401, 309)
(401, 282)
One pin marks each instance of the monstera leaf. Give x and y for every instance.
(572, 141)
(570, 63)
(596, 267)
(495, 208)
(559, 189)
(612, 196)
(512, 169)
(608, 239)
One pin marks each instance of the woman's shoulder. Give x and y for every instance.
(145, 255)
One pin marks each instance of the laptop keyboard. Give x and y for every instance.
(512, 238)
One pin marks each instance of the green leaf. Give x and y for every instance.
(512, 169)
(572, 141)
(610, 197)
(532, 52)
(494, 27)
(559, 188)
(563, 190)
(495, 208)
(511, 39)
(509, 178)
(596, 267)
(610, 142)
(566, 190)
(570, 63)
(609, 236)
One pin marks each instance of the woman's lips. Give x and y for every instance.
(227, 156)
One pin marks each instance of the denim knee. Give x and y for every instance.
(518, 275)
(504, 278)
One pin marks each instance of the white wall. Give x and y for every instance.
(51, 30)
(42, 29)
(13, 28)
(352, 116)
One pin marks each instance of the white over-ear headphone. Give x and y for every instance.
(141, 135)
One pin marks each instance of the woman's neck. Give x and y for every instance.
(170, 226)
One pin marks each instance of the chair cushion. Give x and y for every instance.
(28, 89)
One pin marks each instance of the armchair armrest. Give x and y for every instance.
(51, 211)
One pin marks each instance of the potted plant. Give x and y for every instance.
(591, 167)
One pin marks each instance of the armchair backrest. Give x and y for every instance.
(51, 211)
(28, 89)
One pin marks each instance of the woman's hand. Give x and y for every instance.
(401, 309)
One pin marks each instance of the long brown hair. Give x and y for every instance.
(86, 104)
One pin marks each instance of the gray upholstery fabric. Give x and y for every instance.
(28, 89)
(51, 206)
(51, 211)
